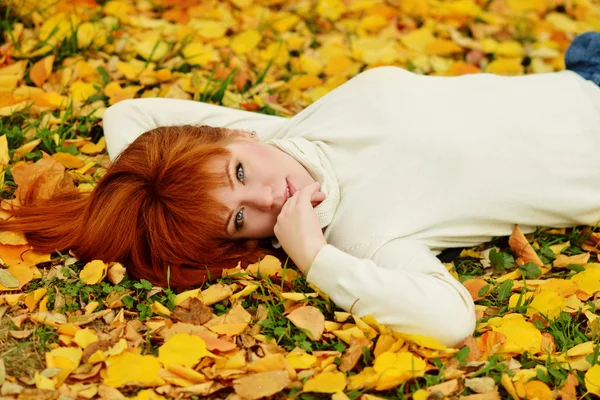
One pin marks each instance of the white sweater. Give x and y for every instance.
(422, 164)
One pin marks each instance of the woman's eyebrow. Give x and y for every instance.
(228, 172)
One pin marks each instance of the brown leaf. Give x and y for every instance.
(94, 347)
(85, 371)
(309, 318)
(109, 393)
(518, 242)
(44, 178)
(353, 353)
(262, 384)
(195, 313)
(37, 394)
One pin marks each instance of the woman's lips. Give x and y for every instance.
(292, 188)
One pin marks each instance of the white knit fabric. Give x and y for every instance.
(412, 165)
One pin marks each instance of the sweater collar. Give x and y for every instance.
(312, 157)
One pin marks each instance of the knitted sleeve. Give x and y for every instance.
(126, 120)
(403, 286)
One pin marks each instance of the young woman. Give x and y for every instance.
(361, 189)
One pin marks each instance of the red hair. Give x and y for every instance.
(151, 211)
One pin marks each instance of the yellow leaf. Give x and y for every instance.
(268, 266)
(41, 70)
(510, 48)
(330, 9)
(160, 309)
(505, 66)
(521, 6)
(209, 29)
(8, 83)
(214, 293)
(65, 358)
(365, 379)
(548, 303)
(418, 39)
(341, 65)
(309, 318)
(537, 390)
(4, 156)
(118, 8)
(347, 334)
(68, 160)
(246, 41)
(26, 148)
(588, 281)
(301, 360)
(93, 272)
(85, 337)
(396, 368)
(198, 54)
(152, 48)
(520, 335)
(326, 382)
(131, 369)
(90, 148)
(182, 349)
(592, 380)
(229, 330)
(562, 22)
(148, 394)
(442, 47)
(81, 91)
(12, 238)
(273, 362)
(34, 297)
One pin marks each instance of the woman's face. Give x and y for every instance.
(259, 177)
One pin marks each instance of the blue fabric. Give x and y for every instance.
(583, 56)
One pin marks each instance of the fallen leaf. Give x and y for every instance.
(481, 385)
(263, 384)
(309, 318)
(194, 313)
(182, 349)
(521, 246)
(93, 272)
(119, 371)
(41, 70)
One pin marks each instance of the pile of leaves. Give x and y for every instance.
(71, 330)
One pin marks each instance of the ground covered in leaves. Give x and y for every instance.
(72, 330)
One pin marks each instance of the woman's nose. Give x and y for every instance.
(261, 198)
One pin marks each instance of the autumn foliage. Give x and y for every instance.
(78, 320)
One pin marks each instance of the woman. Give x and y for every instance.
(362, 188)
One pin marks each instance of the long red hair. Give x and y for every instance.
(152, 211)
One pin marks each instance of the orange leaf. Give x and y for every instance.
(474, 286)
(518, 242)
(41, 70)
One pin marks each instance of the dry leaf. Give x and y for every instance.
(309, 318)
(263, 384)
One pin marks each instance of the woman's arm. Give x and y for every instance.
(404, 287)
(126, 120)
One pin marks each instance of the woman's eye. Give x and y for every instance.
(239, 171)
(239, 220)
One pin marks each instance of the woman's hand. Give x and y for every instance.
(298, 229)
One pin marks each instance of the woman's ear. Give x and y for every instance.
(250, 135)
